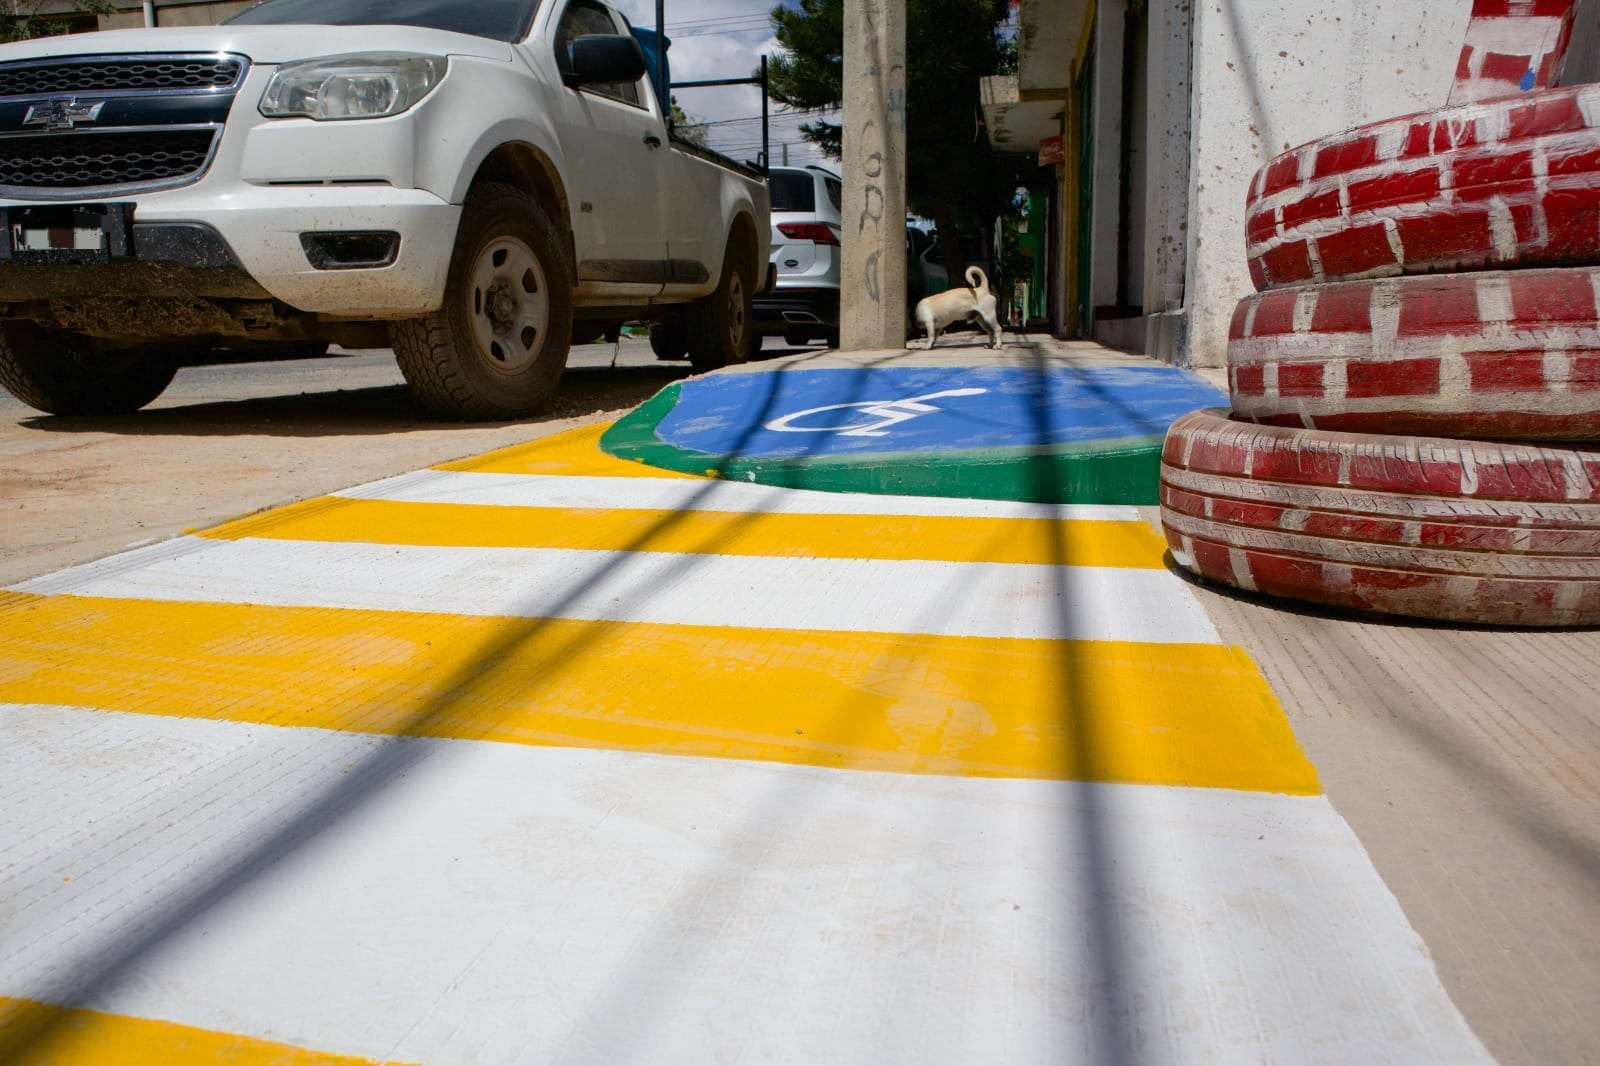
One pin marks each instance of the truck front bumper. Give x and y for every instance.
(255, 241)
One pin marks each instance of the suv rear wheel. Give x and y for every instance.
(720, 324)
(669, 339)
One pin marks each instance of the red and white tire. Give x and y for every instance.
(1513, 46)
(1509, 355)
(1501, 183)
(1459, 531)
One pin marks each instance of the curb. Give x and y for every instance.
(1124, 471)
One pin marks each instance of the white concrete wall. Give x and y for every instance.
(1138, 172)
(1583, 59)
(1167, 197)
(1108, 38)
(1272, 74)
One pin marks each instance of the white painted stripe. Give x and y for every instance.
(449, 901)
(1502, 229)
(1557, 371)
(1391, 138)
(1589, 106)
(1335, 382)
(1494, 298)
(1516, 35)
(850, 595)
(1306, 164)
(1397, 247)
(1455, 378)
(674, 494)
(1305, 309)
(1457, 127)
(1384, 312)
(1241, 570)
(1314, 254)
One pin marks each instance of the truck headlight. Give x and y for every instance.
(334, 88)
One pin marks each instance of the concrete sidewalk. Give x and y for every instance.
(1040, 422)
(1467, 759)
(547, 756)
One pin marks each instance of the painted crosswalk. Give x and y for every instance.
(548, 757)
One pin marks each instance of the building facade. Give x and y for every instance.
(1164, 110)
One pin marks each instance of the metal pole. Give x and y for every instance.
(766, 149)
(662, 90)
(149, 12)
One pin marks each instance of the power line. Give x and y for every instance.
(716, 21)
(776, 115)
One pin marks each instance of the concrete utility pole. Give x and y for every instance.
(873, 279)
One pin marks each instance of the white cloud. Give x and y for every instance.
(714, 39)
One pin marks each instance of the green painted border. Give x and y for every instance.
(1124, 471)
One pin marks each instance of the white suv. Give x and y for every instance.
(806, 221)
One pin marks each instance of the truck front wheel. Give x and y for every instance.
(497, 347)
(720, 325)
(65, 373)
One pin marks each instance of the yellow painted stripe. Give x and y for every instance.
(994, 540)
(1185, 714)
(38, 1034)
(575, 452)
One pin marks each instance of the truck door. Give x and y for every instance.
(614, 144)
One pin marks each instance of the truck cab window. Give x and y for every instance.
(580, 19)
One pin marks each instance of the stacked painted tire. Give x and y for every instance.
(1415, 386)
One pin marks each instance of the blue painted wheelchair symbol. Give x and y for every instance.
(884, 414)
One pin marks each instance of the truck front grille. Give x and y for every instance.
(92, 160)
(112, 124)
(124, 75)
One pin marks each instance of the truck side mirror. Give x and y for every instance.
(598, 58)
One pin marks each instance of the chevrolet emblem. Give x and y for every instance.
(62, 113)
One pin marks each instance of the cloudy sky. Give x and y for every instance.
(725, 39)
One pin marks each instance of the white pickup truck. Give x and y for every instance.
(478, 183)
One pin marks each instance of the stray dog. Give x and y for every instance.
(975, 303)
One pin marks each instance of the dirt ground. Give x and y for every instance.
(227, 440)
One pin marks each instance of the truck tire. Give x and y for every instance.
(1513, 47)
(1505, 183)
(497, 347)
(1498, 355)
(669, 340)
(65, 373)
(1458, 531)
(720, 325)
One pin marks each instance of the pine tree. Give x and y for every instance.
(22, 19)
(952, 176)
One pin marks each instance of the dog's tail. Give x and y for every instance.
(981, 281)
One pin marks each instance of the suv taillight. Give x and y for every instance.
(815, 232)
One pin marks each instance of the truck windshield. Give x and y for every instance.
(500, 20)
